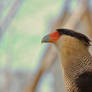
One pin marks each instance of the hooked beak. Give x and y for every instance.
(53, 37)
(46, 39)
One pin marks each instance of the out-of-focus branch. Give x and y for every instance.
(88, 22)
(3, 28)
(35, 81)
(46, 64)
(1, 9)
(60, 19)
(9, 17)
(77, 15)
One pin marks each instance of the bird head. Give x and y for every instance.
(52, 38)
(68, 41)
(55, 36)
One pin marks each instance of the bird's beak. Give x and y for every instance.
(53, 37)
(46, 39)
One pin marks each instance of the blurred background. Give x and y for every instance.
(27, 65)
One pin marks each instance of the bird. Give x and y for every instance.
(76, 59)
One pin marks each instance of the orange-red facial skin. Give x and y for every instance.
(54, 36)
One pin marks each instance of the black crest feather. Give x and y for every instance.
(77, 35)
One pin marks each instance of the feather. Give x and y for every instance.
(84, 82)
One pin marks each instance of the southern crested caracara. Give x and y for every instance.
(76, 59)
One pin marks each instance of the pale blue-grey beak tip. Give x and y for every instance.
(45, 38)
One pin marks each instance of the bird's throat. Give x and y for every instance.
(70, 49)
